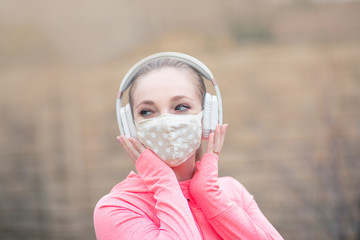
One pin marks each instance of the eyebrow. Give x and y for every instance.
(149, 102)
(175, 98)
(179, 97)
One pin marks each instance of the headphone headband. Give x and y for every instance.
(193, 62)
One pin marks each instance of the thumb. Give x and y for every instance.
(210, 146)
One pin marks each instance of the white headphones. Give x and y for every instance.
(212, 112)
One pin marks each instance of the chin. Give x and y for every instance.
(188, 162)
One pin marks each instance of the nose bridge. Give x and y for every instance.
(164, 108)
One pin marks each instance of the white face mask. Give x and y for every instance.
(174, 138)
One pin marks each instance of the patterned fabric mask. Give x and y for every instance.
(174, 138)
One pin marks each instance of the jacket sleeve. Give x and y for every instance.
(115, 221)
(231, 218)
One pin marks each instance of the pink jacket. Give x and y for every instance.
(154, 205)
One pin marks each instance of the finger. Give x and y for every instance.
(132, 148)
(223, 132)
(120, 141)
(210, 145)
(129, 148)
(139, 146)
(217, 139)
(124, 146)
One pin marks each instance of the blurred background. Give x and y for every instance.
(288, 70)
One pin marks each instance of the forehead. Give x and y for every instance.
(166, 81)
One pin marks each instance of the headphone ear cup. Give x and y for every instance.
(130, 121)
(206, 121)
(214, 112)
(127, 122)
(124, 122)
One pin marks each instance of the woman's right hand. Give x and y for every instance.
(132, 146)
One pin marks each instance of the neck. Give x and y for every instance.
(185, 171)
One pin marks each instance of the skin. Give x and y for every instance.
(169, 91)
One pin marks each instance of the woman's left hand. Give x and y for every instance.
(216, 139)
(205, 180)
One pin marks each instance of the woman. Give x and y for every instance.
(176, 192)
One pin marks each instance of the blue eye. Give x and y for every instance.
(182, 107)
(145, 113)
